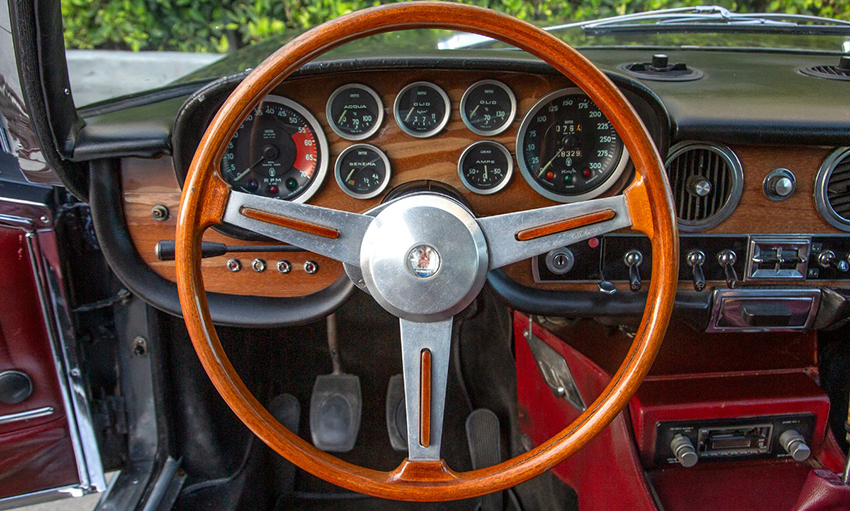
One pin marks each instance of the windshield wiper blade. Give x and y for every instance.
(712, 19)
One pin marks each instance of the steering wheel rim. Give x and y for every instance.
(206, 195)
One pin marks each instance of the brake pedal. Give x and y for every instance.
(397, 414)
(336, 404)
(485, 448)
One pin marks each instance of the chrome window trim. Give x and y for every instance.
(821, 180)
(737, 185)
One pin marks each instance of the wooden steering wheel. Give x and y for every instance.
(425, 257)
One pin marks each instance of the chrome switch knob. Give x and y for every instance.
(826, 258)
(695, 259)
(727, 259)
(684, 451)
(632, 259)
(794, 443)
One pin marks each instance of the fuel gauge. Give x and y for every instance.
(485, 167)
(362, 171)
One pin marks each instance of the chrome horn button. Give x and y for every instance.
(424, 258)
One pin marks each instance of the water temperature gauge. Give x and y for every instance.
(362, 171)
(485, 167)
(355, 111)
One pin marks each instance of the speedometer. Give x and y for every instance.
(279, 151)
(567, 149)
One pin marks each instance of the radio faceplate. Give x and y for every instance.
(732, 439)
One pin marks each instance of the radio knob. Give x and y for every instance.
(794, 443)
(684, 451)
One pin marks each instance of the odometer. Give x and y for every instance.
(567, 149)
(278, 151)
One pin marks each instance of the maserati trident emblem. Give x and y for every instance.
(423, 261)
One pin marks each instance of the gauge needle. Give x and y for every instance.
(341, 117)
(408, 115)
(472, 113)
(485, 169)
(245, 173)
(543, 169)
(351, 174)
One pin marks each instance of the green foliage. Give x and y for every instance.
(204, 26)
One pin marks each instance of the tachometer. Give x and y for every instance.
(567, 149)
(279, 151)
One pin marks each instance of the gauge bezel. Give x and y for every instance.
(511, 116)
(324, 155)
(440, 126)
(373, 193)
(526, 174)
(340, 132)
(488, 191)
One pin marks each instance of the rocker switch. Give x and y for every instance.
(695, 259)
(632, 259)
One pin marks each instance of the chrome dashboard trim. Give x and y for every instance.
(737, 186)
(821, 181)
(798, 296)
(526, 173)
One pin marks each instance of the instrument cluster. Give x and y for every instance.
(566, 149)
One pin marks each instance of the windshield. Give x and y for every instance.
(150, 44)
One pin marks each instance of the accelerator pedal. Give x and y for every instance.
(397, 414)
(287, 410)
(484, 436)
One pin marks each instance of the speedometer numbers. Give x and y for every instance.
(355, 112)
(422, 109)
(485, 167)
(567, 149)
(278, 151)
(488, 107)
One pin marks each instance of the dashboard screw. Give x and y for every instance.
(284, 266)
(140, 346)
(234, 265)
(259, 265)
(160, 213)
(311, 267)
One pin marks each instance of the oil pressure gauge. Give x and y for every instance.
(355, 112)
(485, 167)
(362, 171)
(488, 107)
(422, 109)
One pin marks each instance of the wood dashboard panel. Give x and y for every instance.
(150, 182)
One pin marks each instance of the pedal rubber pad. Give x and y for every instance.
(335, 411)
(485, 448)
(287, 410)
(397, 414)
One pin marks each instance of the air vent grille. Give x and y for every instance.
(829, 72)
(832, 189)
(707, 182)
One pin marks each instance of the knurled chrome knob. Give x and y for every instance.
(795, 445)
(684, 451)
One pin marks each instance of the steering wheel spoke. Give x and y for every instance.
(425, 350)
(329, 232)
(517, 236)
